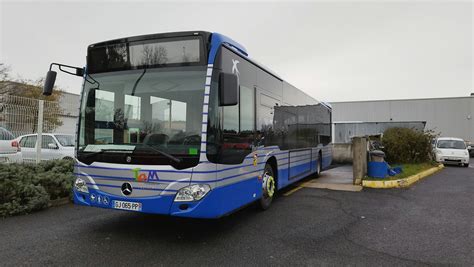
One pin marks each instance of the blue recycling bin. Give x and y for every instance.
(377, 169)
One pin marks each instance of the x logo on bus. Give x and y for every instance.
(235, 70)
(127, 189)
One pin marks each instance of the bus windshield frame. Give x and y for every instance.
(142, 117)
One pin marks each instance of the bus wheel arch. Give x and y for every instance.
(269, 178)
(319, 164)
(273, 163)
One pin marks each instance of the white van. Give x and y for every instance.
(450, 150)
(54, 146)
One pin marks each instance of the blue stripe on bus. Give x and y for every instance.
(171, 181)
(177, 171)
(197, 172)
(122, 178)
(137, 188)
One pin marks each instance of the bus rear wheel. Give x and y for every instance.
(319, 165)
(268, 187)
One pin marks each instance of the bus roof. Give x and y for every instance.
(213, 40)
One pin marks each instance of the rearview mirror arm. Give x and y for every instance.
(79, 71)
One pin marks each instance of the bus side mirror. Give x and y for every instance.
(228, 89)
(49, 82)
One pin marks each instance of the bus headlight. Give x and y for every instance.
(192, 192)
(81, 185)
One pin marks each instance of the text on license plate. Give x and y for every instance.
(124, 205)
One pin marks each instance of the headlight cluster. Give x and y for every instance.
(81, 185)
(192, 192)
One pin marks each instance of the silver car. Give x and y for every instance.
(53, 146)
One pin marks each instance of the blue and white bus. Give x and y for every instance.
(187, 124)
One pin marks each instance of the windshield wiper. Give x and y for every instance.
(171, 157)
(137, 81)
(101, 151)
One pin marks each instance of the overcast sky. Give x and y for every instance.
(334, 51)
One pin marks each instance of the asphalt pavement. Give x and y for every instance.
(430, 223)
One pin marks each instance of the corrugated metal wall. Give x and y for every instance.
(449, 116)
(343, 132)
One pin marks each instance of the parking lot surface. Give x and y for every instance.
(432, 222)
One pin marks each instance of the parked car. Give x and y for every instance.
(9, 148)
(53, 146)
(470, 148)
(450, 150)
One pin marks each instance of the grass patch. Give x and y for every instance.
(408, 170)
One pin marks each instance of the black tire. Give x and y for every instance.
(319, 166)
(265, 202)
(465, 165)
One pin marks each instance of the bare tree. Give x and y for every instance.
(153, 55)
(4, 70)
(117, 55)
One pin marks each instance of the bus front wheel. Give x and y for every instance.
(268, 187)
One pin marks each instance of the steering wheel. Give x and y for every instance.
(192, 140)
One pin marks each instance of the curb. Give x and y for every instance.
(404, 182)
(339, 187)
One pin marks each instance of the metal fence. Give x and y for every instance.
(19, 115)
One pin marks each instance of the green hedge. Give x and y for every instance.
(404, 145)
(25, 188)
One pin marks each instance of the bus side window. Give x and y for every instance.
(238, 128)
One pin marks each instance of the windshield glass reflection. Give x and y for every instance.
(144, 111)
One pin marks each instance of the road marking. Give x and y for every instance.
(292, 191)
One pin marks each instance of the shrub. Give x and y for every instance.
(26, 188)
(404, 145)
(56, 177)
(18, 193)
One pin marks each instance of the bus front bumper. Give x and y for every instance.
(205, 208)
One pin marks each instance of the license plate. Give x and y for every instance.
(124, 205)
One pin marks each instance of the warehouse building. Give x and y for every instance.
(452, 116)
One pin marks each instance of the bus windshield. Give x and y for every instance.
(142, 116)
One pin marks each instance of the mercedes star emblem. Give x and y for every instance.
(128, 159)
(127, 189)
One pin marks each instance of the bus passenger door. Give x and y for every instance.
(266, 110)
(270, 125)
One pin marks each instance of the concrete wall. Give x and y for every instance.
(342, 153)
(449, 116)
